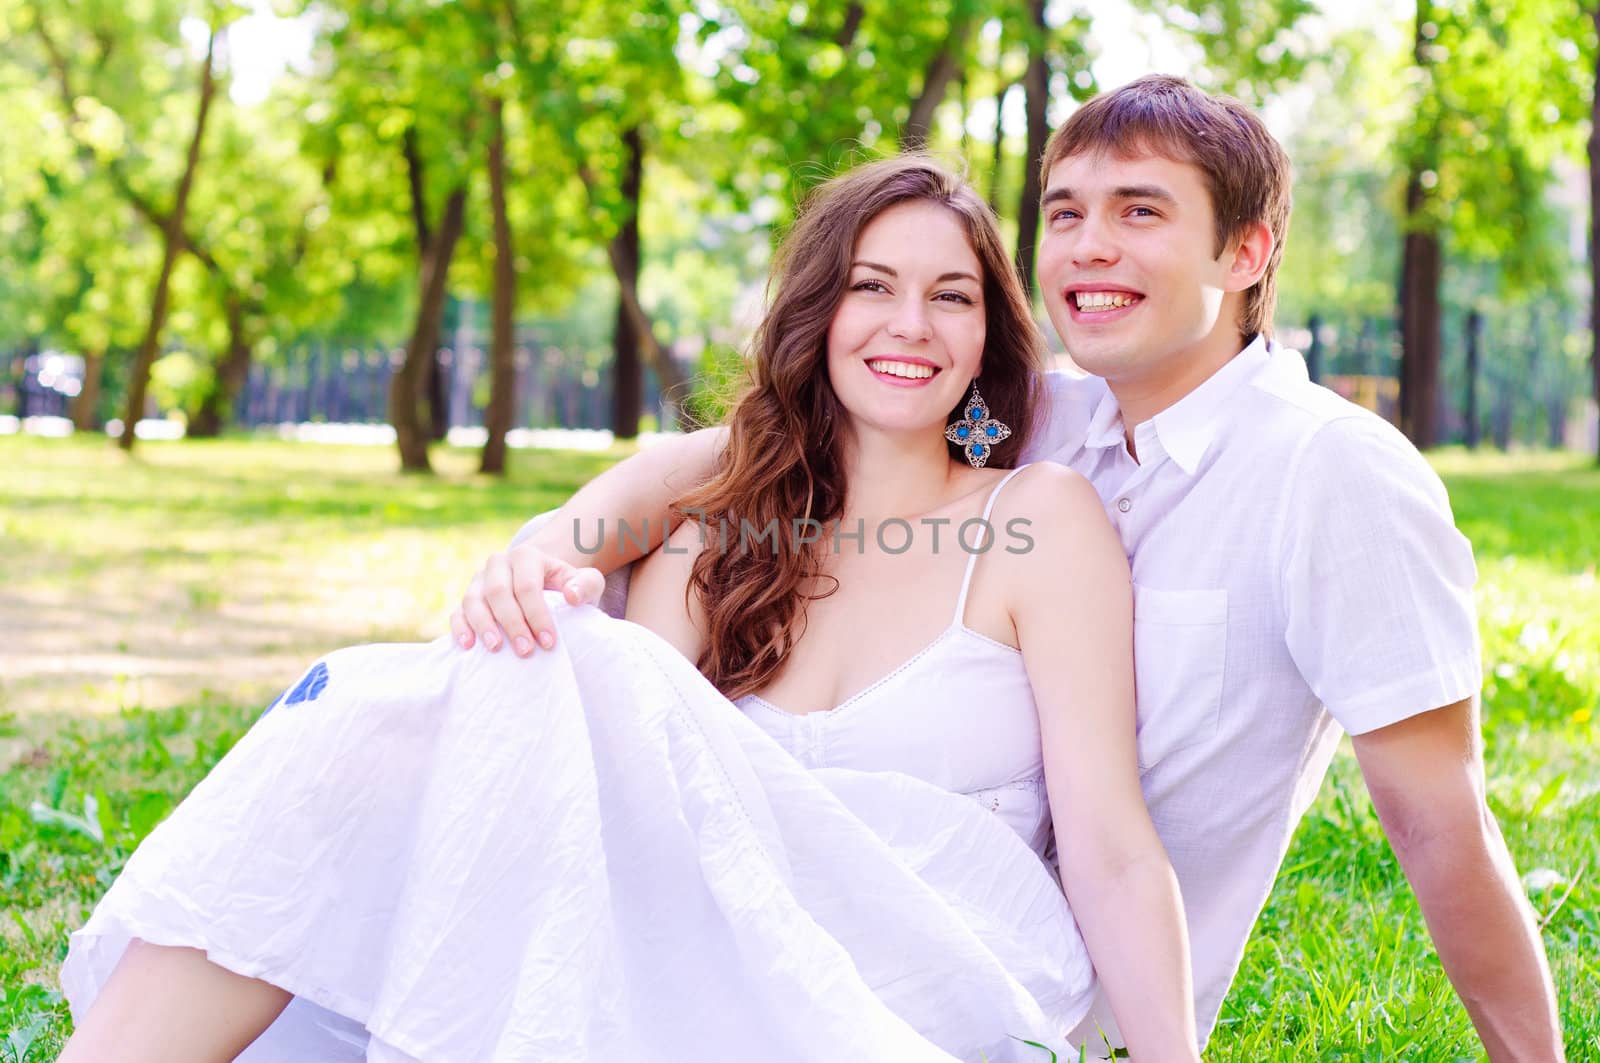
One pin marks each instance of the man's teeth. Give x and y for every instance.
(1104, 300)
(905, 369)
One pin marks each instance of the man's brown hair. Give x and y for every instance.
(1245, 169)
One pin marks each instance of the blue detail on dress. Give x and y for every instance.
(310, 687)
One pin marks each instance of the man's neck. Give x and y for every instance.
(1142, 397)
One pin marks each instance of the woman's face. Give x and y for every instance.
(907, 338)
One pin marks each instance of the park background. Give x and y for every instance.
(305, 306)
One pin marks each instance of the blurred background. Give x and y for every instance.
(548, 222)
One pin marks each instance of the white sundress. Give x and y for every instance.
(591, 854)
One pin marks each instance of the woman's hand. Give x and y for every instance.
(505, 600)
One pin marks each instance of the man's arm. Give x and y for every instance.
(1426, 778)
(508, 592)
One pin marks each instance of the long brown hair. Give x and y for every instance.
(783, 460)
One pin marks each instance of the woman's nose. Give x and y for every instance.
(910, 321)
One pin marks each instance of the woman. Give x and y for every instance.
(422, 854)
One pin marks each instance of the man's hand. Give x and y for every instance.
(505, 600)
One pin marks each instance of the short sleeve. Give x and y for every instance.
(1376, 581)
(1069, 401)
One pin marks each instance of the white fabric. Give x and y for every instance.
(592, 855)
(1296, 569)
(977, 735)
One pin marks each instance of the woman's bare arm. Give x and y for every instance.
(1072, 603)
(656, 593)
(507, 593)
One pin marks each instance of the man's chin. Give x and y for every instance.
(1098, 356)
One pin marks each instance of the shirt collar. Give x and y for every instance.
(1188, 427)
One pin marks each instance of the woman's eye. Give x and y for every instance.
(868, 286)
(955, 297)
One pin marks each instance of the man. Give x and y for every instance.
(1296, 566)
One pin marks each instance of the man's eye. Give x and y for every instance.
(1143, 212)
(1063, 213)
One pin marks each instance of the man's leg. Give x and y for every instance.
(172, 1005)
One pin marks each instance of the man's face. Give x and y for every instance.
(1127, 265)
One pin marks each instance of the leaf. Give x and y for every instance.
(27, 930)
(100, 810)
(20, 1040)
(148, 810)
(44, 814)
(1551, 791)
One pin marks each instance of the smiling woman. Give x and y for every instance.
(399, 855)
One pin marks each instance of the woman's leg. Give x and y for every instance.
(172, 1005)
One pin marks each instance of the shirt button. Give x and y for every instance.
(1123, 505)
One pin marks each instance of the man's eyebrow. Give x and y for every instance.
(955, 275)
(1144, 192)
(1155, 192)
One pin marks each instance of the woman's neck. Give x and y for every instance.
(895, 474)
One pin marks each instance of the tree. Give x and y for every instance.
(100, 31)
(1594, 213)
(1421, 258)
(502, 390)
(402, 83)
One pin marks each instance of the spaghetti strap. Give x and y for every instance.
(972, 559)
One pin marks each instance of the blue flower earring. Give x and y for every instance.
(977, 432)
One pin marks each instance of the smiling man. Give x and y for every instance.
(1297, 571)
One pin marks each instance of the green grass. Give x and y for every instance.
(180, 591)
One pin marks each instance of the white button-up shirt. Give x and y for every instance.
(1296, 570)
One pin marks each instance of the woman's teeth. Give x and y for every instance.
(1104, 300)
(905, 369)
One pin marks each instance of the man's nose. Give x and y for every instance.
(1093, 242)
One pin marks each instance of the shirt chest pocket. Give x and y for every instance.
(1180, 641)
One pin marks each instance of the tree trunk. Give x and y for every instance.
(502, 364)
(942, 68)
(627, 371)
(86, 403)
(1594, 230)
(172, 245)
(995, 172)
(1474, 356)
(1036, 89)
(216, 409)
(409, 405)
(1420, 344)
(846, 34)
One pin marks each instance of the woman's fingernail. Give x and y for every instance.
(492, 641)
(524, 647)
(572, 588)
(546, 639)
(466, 642)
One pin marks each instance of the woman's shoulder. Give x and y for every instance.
(1049, 488)
(1057, 518)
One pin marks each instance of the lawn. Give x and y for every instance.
(151, 607)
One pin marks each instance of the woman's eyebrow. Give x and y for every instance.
(955, 275)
